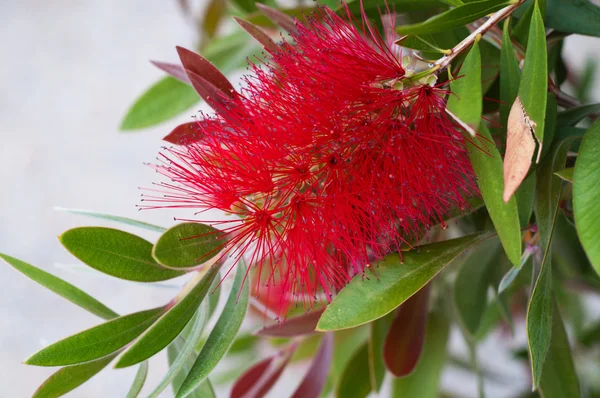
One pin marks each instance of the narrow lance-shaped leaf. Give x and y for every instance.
(222, 335)
(171, 323)
(566, 174)
(163, 101)
(315, 378)
(175, 70)
(539, 312)
(116, 253)
(180, 361)
(574, 16)
(534, 81)
(472, 282)
(424, 381)
(62, 288)
(69, 378)
(571, 117)
(281, 19)
(96, 342)
(353, 383)
(406, 336)
(559, 378)
(510, 74)
(296, 326)
(110, 217)
(525, 197)
(185, 134)
(258, 34)
(466, 104)
(187, 245)
(213, 15)
(420, 43)
(586, 192)
(198, 65)
(260, 378)
(454, 18)
(379, 331)
(364, 300)
(204, 390)
(138, 382)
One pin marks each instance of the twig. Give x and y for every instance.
(443, 62)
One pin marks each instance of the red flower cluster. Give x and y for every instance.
(331, 157)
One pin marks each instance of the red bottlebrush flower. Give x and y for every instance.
(330, 157)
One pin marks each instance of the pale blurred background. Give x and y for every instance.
(69, 71)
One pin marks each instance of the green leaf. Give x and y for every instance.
(96, 342)
(472, 282)
(110, 217)
(187, 245)
(171, 323)
(559, 378)
(466, 99)
(510, 75)
(534, 81)
(574, 16)
(186, 352)
(455, 17)
(550, 122)
(222, 335)
(163, 101)
(424, 381)
(572, 116)
(453, 2)
(525, 196)
(116, 253)
(138, 382)
(586, 192)
(421, 43)
(345, 344)
(379, 329)
(62, 288)
(69, 378)
(539, 312)
(566, 174)
(366, 299)
(230, 52)
(466, 104)
(353, 383)
(204, 390)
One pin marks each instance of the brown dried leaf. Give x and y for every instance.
(194, 63)
(520, 148)
(281, 19)
(258, 34)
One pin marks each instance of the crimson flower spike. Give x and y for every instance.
(333, 155)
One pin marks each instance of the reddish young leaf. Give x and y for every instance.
(297, 326)
(258, 34)
(281, 19)
(209, 93)
(314, 380)
(197, 64)
(184, 134)
(177, 71)
(404, 341)
(258, 380)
